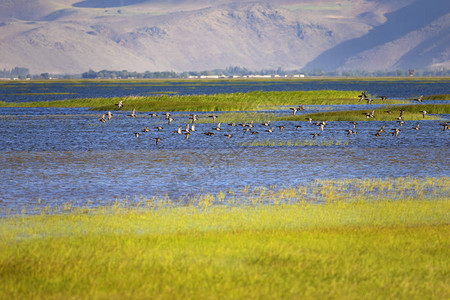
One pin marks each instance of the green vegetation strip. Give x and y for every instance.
(437, 97)
(412, 112)
(218, 102)
(356, 248)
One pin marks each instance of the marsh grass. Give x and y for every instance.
(218, 102)
(437, 97)
(383, 239)
(412, 113)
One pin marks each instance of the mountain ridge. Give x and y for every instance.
(61, 37)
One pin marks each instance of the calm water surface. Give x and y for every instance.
(59, 155)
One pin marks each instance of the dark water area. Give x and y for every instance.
(47, 91)
(60, 155)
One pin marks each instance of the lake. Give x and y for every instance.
(60, 155)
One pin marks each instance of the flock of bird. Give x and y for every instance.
(250, 127)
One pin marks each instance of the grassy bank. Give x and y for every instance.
(365, 245)
(218, 102)
(412, 112)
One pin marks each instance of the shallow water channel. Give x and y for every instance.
(56, 155)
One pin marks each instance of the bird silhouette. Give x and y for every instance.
(133, 113)
(424, 112)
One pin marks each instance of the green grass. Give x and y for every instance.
(218, 102)
(412, 112)
(384, 239)
(437, 97)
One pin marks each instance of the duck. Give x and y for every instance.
(170, 120)
(281, 127)
(133, 113)
(193, 127)
(298, 127)
(159, 128)
(417, 127)
(354, 124)
(167, 115)
(146, 129)
(120, 104)
(208, 133)
(419, 99)
(294, 110)
(424, 112)
(314, 135)
(363, 95)
(370, 115)
(136, 134)
(270, 129)
(102, 119)
(193, 117)
(213, 116)
(350, 132)
(401, 122)
(157, 140)
(152, 115)
(383, 98)
(395, 132)
(228, 135)
(110, 115)
(310, 120)
(217, 127)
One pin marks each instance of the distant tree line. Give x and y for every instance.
(23, 73)
(241, 71)
(16, 72)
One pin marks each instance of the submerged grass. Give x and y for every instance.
(219, 102)
(364, 245)
(412, 112)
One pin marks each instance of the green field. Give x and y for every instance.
(350, 239)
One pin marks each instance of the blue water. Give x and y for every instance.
(57, 155)
(20, 91)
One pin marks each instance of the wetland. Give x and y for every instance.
(283, 189)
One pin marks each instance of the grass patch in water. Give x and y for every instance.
(437, 97)
(412, 112)
(218, 102)
(361, 245)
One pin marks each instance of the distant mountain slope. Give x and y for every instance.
(72, 36)
(425, 23)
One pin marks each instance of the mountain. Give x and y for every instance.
(70, 36)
